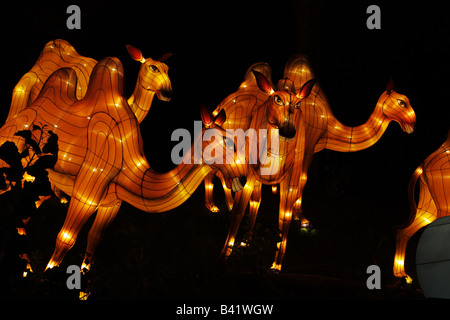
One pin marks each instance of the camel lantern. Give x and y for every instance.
(433, 176)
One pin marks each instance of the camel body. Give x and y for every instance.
(318, 130)
(101, 160)
(434, 183)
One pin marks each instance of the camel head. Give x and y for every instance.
(153, 74)
(396, 107)
(283, 103)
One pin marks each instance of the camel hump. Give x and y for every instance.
(298, 69)
(60, 86)
(262, 67)
(60, 47)
(60, 54)
(107, 76)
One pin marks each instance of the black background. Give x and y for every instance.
(213, 44)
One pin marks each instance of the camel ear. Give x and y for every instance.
(262, 82)
(165, 56)
(221, 117)
(135, 53)
(390, 86)
(207, 117)
(306, 89)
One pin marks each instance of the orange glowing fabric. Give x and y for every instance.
(434, 181)
(101, 161)
(153, 77)
(317, 129)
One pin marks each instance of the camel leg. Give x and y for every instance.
(103, 218)
(229, 200)
(426, 213)
(89, 188)
(209, 187)
(255, 201)
(298, 214)
(288, 194)
(423, 218)
(242, 198)
(302, 178)
(77, 215)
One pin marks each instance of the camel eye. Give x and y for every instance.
(401, 103)
(297, 105)
(154, 69)
(278, 101)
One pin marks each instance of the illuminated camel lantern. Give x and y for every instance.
(280, 117)
(323, 131)
(241, 107)
(101, 160)
(434, 180)
(238, 107)
(152, 78)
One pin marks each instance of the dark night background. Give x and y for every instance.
(353, 200)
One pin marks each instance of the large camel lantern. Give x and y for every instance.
(101, 160)
(275, 109)
(321, 130)
(152, 79)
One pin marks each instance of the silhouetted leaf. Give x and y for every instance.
(33, 144)
(13, 173)
(9, 153)
(52, 144)
(26, 134)
(24, 153)
(45, 162)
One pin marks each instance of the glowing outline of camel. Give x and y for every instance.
(322, 130)
(239, 107)
(152, 79)
(391, 106)
(434, 180)
(280, 110)
(95, 179)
